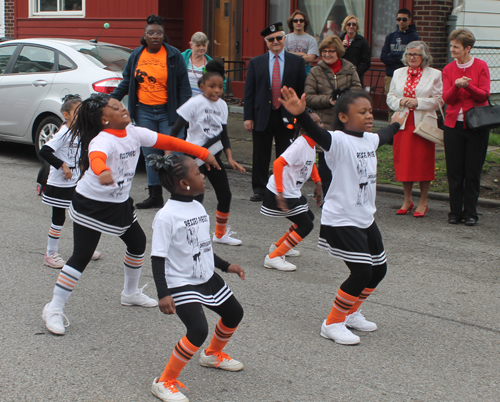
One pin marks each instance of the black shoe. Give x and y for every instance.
(155, 199)
(257, 198)
(454, 220)
(470, 221)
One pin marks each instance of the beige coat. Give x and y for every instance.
(318, 89)
(429, 92)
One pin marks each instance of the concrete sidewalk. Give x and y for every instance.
(241, 144)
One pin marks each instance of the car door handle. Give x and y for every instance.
(39, 83)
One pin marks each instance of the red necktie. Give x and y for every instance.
(276, 87)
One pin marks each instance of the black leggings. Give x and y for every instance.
(85, 241)
(363, 276)
(193, 317)
(58, 216)
(304, 221)
(220, 183)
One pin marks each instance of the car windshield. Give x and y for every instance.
(112, 58)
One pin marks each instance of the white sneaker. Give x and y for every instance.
(278, 263)
(290, 253)
(220, 360)
(167, 391)
(54, 261)
(55, 320)
(339, 333)
(138, 299)
(96, 255)
(358, 321)
(227, 239)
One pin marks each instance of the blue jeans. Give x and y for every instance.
(154, 117)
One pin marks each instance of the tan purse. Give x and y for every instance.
(431, 133)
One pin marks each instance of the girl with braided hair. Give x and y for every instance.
(110, 148)
(184, 274)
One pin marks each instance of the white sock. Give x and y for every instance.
(53, 242)
(132, 267)
(65, 284)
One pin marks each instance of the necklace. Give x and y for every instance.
(194, 68)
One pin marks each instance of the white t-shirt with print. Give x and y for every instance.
(301, 43)
(350, 200)
(300, 157)
(122, 155)
(69, 154)
(181, 235)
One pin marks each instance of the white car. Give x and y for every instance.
(36, 73)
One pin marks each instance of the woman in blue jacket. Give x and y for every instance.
(156, 82)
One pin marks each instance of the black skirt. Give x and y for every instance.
(296, 206)
(105, 217)
(353, 244)
(59, 197)
(214, 292)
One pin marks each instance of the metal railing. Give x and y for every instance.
(491, 55)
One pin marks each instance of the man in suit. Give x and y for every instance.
(264, 117)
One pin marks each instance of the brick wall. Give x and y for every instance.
(9, 18)
(430, 17)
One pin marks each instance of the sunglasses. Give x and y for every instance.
(277, 38)
(301, 20)
(351, 24)
(402, 19)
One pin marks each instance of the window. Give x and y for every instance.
(6, 53)
(384, 22)
(58, 7)
(65, 63)
(279, 10)
(33, 59)
(326, 17)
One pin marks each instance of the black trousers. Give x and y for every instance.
(363, 276)
(465, 154)
(193, 317)
(304, 221)
(262, 147)
(220, 183)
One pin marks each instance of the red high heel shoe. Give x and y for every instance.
(420, 214)
(402, 211)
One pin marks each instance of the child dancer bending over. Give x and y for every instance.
(284, 198)
(207, 115)
(110, 147)
(63, 157)
(348, 229)
(183, 268)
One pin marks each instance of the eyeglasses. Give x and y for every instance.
(328, 51)
(301, 20)
(402, 19)
(277, 38)
(152, 34)
(351, 24)
(414, 55)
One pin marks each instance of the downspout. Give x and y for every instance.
(451, 22)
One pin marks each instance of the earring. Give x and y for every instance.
(107, 122)
(188, 188)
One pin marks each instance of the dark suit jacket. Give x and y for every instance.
(258, 92)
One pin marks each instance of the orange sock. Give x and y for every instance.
(220, 223)
(290, 242)
(341, 306)
(362, 297)
(183, 352)
(290, 230)
(220, 338)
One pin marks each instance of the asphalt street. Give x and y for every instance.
(437, 311)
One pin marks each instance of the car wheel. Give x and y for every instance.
(45, 131)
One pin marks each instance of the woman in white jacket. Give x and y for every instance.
(417, 89)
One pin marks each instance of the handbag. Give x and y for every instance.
(484, 117)
(431, 133)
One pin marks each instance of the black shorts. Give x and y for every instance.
(296, 206)
(59, 197)
(214, 292)
(105, 217)
(353, 244)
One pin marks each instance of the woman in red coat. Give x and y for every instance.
(465, 81)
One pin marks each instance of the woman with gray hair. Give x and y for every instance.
(416, 89)
(196, 60)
